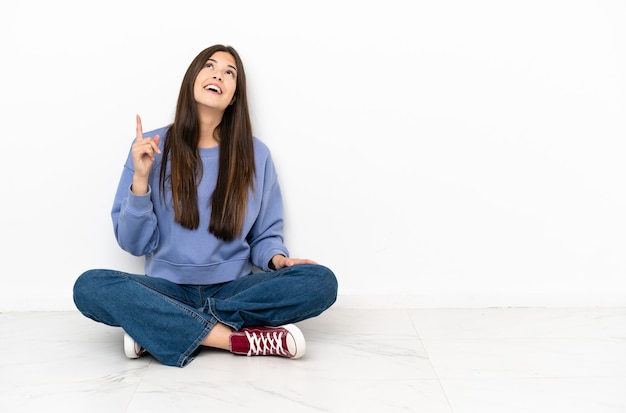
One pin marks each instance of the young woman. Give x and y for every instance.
(200, 200)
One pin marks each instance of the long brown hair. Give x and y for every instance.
(236, 155)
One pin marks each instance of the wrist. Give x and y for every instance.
(272, 265)
(139, 186)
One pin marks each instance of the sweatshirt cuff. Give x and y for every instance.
(140, 203)
(268, 262)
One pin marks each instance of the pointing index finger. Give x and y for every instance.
(139, 130)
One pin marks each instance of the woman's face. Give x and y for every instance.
(216, 82)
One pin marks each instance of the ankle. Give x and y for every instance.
(218, 337)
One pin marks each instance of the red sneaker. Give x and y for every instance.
(285, 341)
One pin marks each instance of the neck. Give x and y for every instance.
(208, 126)
(207, 141)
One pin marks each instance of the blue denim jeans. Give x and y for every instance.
(171, 320)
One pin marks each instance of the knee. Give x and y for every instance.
(82, 286)
(89, 285)
(326, 283)
(84, 282)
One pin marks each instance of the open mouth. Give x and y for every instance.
(213, 88)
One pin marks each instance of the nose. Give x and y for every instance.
(217, 76)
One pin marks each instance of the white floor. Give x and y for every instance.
(503, 360)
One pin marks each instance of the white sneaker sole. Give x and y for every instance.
(298, 346)
(132, 349)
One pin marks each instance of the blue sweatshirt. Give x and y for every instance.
(144, 225)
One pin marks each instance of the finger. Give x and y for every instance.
(297, 261)
(139, 129)
(151, 146)
(147, 147)
(155, 144)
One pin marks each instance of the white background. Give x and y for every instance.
(434, 154)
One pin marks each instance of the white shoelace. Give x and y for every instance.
(266, 343)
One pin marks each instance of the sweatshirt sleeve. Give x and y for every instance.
(134, 220)
(266, 235)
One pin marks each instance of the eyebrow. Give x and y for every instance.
(213, 60)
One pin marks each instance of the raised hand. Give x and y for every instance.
(143, 151)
